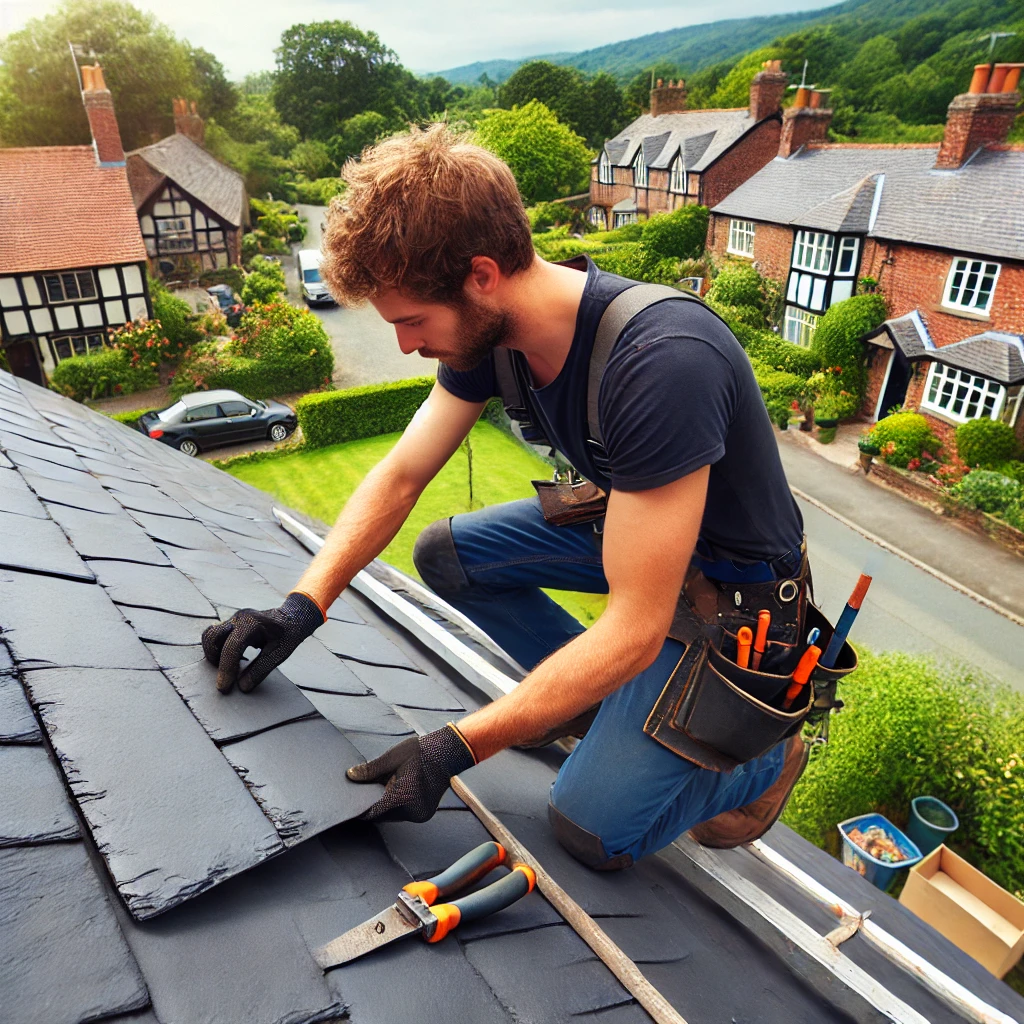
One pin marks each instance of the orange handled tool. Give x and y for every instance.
(744, 638)
(801, 674)
(764, 620)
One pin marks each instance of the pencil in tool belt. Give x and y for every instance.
(801, 674)
(764, 619)
(744, 638)
(842, 630)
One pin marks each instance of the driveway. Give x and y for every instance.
(365, 348)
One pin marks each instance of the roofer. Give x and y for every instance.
(697, 535)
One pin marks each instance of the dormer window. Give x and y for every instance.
(677, 176)
(605, 174)
(639, 170)
(971, 285)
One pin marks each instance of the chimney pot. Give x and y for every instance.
(1012, 78)
(801, 125)
(187, 121)
(980, 78)
(803, 97)
(998, 77)
(668, 99)
(99, 108)
(659, 83)
(977, 119)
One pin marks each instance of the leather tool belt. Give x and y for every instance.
(569, 502)
(718, 715)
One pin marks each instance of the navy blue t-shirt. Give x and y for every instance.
(678, 393)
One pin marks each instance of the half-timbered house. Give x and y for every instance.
(72, 260)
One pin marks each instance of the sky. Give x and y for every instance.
(428, 35)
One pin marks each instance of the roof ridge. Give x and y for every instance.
(872, 145)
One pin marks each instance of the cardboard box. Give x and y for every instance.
(968, 908)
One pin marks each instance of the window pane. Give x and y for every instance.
(53, 289)
(86, 285)
(70, 286)
(234, 409)
(78, 342)
(205, 412)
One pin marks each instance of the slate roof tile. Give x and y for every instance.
(152, 586)
(39, 545)
(35, 808)
(95, 535)
(165, 627)
(175, 655)
(15, 496)
(17, 723)
(702, 135)
(38, 450)
(183, 533)
(360, 643)
(79, 490)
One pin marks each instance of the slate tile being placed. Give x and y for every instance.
(79, 490)
(232, 587)
(166, 811)
(37, 450)
(174, 656)
(155, 503)
(312, 667)
(39, 545)
(85, 971)
(359, 714)
(360, 643)
(17, 723)
(297, 773)
(35, 808)
(38, 635)
(150, 586)
(406, 689)
(234, 715)
(164, 627)
(16, 497)
(183, 533)
(121, 470)
(95, 535)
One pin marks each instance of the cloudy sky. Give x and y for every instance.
(427, 36)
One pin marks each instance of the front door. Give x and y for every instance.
(896, 381)
(24, 360)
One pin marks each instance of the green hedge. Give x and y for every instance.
(102, 374)
(769, 348)
(912, 728)
(678, 235)
(986, 443)
(334, 416)
(902, 437)
(130, 418)
(837, 341)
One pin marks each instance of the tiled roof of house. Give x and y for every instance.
(978, 208)
(201, 175)
(700, 135)
(59, 209)
(170, 854)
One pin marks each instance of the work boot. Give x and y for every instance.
(745, 824)
(576, 727)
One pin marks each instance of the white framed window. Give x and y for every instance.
(970, 285)
(812, 250)
(677, 176)
(846, 264)
(69, 286)
(76, 345)
(174, 233)
(598, 217)
(741, 237)
(605, 172)
(962, 396)
(639, 169)
(800, 326)
(623, 218)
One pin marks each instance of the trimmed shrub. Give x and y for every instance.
(335, 416)
(233, 276)
(985, 443)
(102, 375)
(744, 320)
(769, 348)
(988, 491)
(837, 342)
(130, 418)
(902, 437)
(1014, 469)
(779, 389)
(678, 235)
(177, 321)
(737, 284)
(547, 215)
(630, 259)
(265, 282)
(319, 192)
(909, 728)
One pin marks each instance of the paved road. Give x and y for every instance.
(365, 349)
(907, 608)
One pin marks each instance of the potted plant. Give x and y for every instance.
(868, 451)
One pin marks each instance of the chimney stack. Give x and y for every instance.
(767, 89)
(668, 99)
(806, 121)
(187, 121)
(99, 108)
(981, 117)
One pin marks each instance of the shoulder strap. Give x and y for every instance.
(508, 382)
(618, 313)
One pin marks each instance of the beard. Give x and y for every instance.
(480, 332)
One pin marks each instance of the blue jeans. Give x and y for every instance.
(618, 783)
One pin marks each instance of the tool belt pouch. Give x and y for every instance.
(718, 715)
(567, 504)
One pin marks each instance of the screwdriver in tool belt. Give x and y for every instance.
(764, 620)
(744, 638)
(801, 674)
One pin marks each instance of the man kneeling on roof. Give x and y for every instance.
(691, 529)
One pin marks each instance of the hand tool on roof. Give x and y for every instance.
(417, 912)
(744, 638)
(764, 620)
(842, 630)
(801, 674)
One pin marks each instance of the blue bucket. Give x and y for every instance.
(879, 873)
(931, 822)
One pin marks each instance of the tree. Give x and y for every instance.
(255, 119)
(328, 71)
(356, 134)
(144, 65)
(217, 96)
(734, 89)
(548, 158)
(312, 159)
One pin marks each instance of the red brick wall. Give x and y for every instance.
(773, 246)
(757, 148)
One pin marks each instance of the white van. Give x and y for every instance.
(314, 291)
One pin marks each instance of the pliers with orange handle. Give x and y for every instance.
(417, 911)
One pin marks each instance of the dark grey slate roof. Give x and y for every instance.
(170, 855)
(716, 131)
(976, 209)
(908, 332)
(200, 174)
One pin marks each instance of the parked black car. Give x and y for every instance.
(206, 419)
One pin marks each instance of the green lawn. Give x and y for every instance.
(319, 482)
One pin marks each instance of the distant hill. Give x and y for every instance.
(496, 70)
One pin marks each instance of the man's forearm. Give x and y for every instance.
(366, 525)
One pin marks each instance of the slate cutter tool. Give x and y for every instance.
(417, 911)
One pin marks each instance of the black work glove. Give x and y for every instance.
(276, 632)
(417, 772)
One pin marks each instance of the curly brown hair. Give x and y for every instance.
(419, 206)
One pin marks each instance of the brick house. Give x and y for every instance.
(192, 208)
(939, 226)
(72, 260)
(672, 156)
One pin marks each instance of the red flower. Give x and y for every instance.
(794, 404)
(914, 464)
